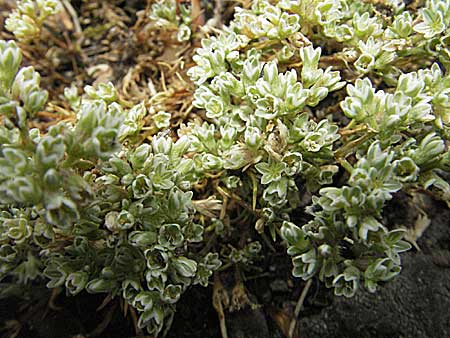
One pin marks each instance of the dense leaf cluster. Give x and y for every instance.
(84, 214)
(88, 206)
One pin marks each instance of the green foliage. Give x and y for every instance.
(27, 20)
(259, 122)
(345, 242)
(255, 111)
(419, 97)
(164, 14)
(94, 206)
(81, 211)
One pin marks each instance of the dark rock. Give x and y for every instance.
(247, 323)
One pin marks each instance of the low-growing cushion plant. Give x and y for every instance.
(329, 99)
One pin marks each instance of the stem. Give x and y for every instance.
(254, 189)
(238, 200)
(346, 165)
(345, 150)
(25, 138)
(350, 125)
(347, 132)
(298, 307)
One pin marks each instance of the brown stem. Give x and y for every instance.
(298, 307)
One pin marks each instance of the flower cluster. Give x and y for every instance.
(173, 16)
(27, 20)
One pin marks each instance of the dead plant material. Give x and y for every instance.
(220, 300)
(413, 234)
